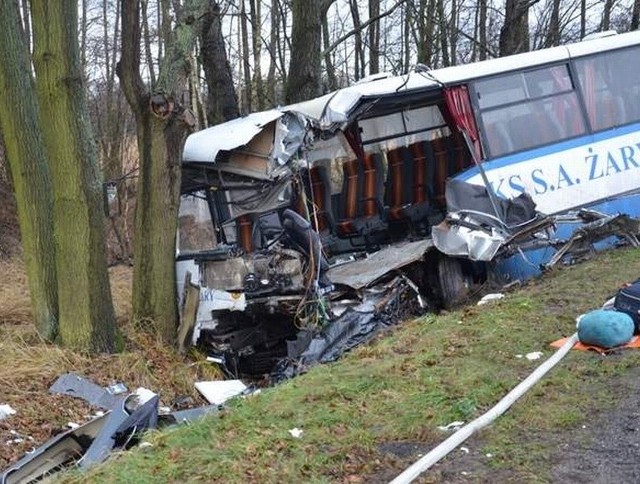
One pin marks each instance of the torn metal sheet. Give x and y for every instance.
(120, 428)
(62, 449)
(456, 240)
(583, 238)
(383, 306)
(80, 387)
(289, 136)
(205, 145)
(475, 200)
(90, 443)
(362, 272)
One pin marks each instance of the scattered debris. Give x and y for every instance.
(118, 427)
(597, 227)
(143, 395)
(6, 411)
(534, 355)
(145, 445)
(218, 392)
(117, 388)
(17, 438)
(464, 449)
(191, 415)
(296, 433)
(452, 426)
(487, 298)
(80, 387)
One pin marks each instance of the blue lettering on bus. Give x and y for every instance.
(627, 156)
(611, 163)
(592, 162)
(498, 190)
(598, 165)
(515, 183)
(539, 181)
(563, 176)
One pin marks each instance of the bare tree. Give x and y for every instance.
(86, 316)
(635, 15)
(162, 124)
(222, 102)
(553, 35)
(256, 44)
(374, 37)
(246, 65)
(304, 80)
(606, 15)
(25, 152)
(514, 34)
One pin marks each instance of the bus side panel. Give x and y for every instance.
(571, 174)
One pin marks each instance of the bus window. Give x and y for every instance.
(534, 108)
(195, 227)
(610, 85)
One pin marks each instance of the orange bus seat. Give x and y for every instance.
(321, 213)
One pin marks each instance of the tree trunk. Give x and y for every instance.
(256, 44)
(635, 15)
(583, 18)
(358, 44)
(304, 80)
(374, 38)
(553, 37)
(24, 148)
(606, 15)
(514, 34)
(86, 316)
(444, 35)
(222, 102)
(482, 28)
(162, 125)
(246, 66)
(273, 46)
(332, 81)
(453, 31)
(147, 42)
(284, 43)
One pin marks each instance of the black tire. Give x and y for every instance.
(454, 284)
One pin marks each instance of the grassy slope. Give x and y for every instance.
(428, 372)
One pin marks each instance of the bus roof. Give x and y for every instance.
(336, 109)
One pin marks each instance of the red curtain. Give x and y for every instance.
(461, 115)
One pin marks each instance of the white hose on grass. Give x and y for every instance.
(409, 474)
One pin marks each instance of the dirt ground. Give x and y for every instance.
(29, 366)
(604, 450)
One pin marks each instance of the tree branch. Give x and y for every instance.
(128, 69)
(479, 44)
(363, 26)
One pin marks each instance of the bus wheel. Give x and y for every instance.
(454, 284)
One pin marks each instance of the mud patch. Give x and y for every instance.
(607, 448)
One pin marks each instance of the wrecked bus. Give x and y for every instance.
(306, 228)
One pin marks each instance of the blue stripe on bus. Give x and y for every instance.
(549, 149)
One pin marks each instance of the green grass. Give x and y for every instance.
(427, 372)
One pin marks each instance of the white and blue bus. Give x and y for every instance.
(339, 192)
